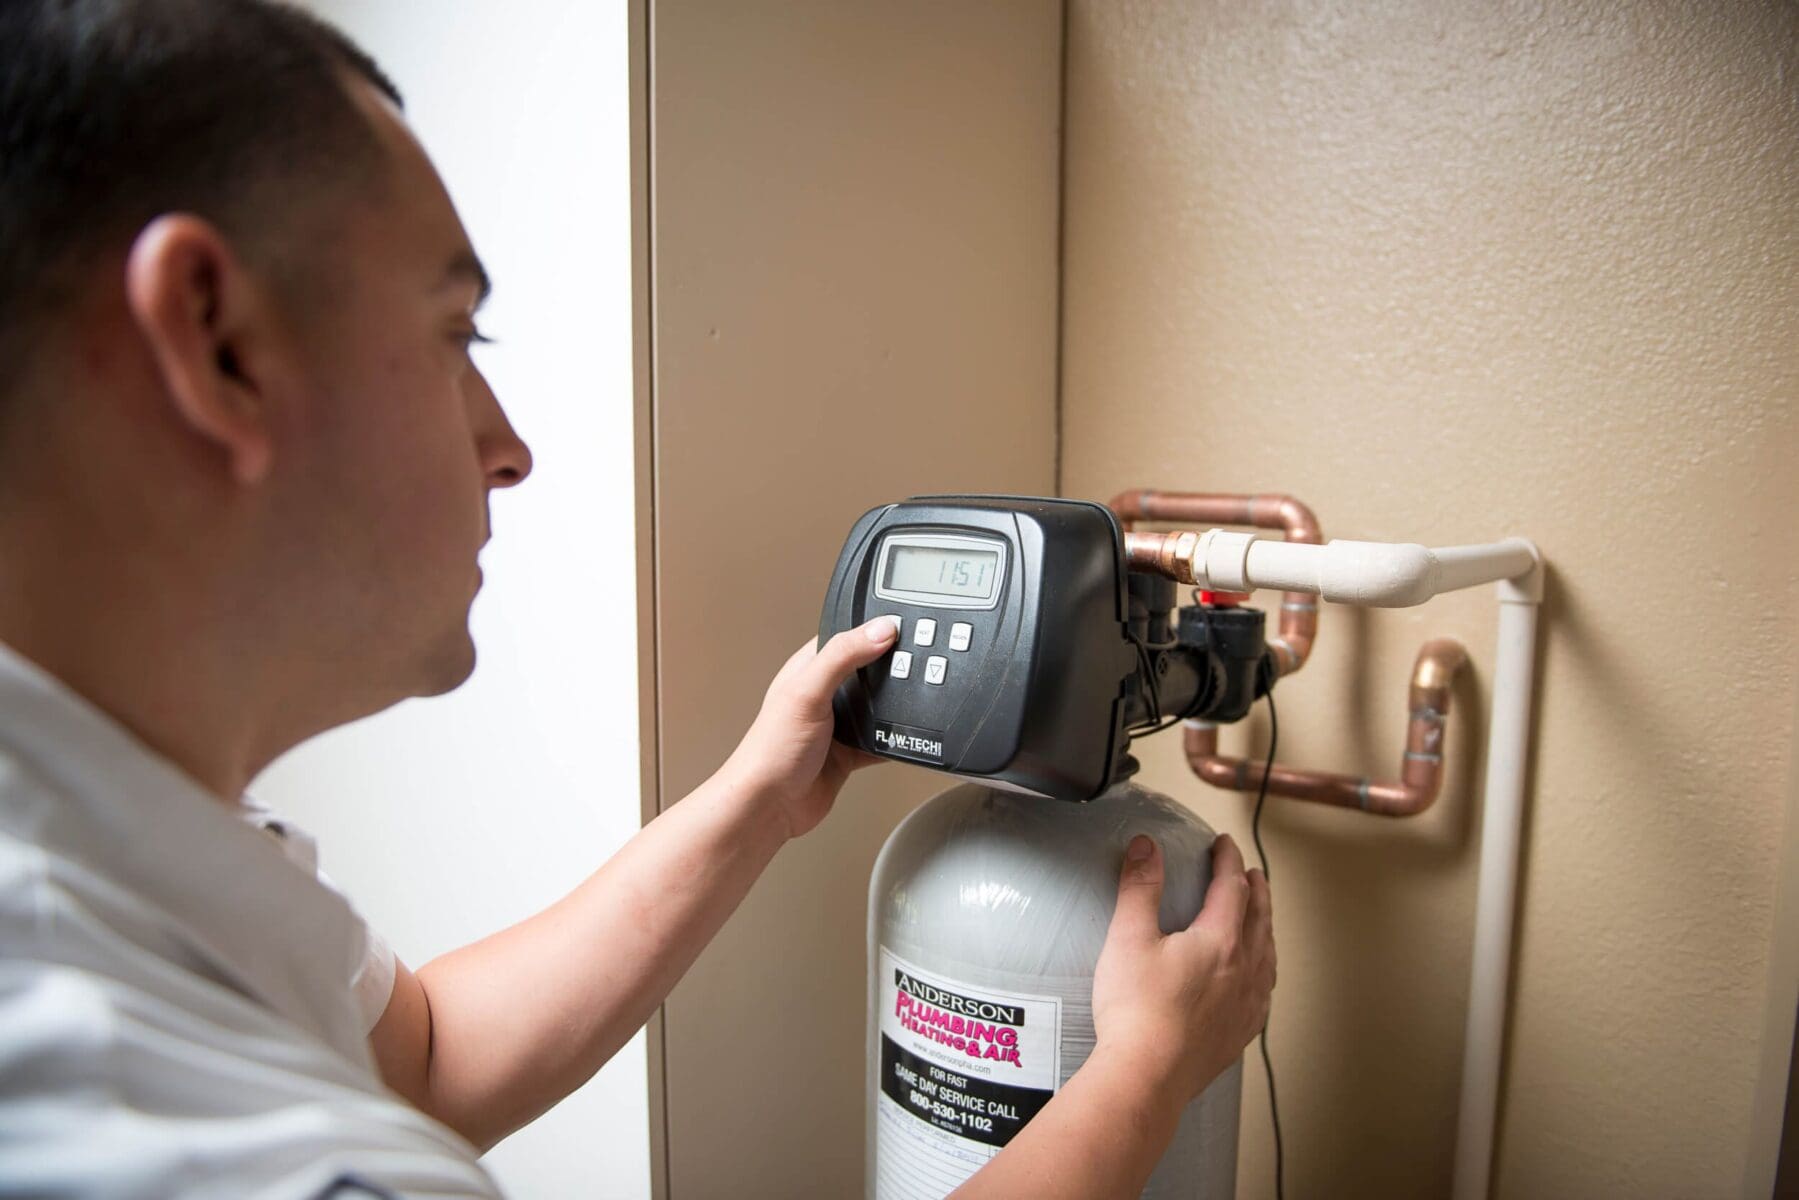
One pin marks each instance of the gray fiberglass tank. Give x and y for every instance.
(986, 915)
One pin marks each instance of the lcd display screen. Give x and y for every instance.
(960, 571)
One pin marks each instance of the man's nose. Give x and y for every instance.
(505, 459)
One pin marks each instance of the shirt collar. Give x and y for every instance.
(131, 815)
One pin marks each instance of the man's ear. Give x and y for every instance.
(206, 324)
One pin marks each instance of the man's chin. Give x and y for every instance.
(451, 667)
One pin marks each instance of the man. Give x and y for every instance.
(245, 461)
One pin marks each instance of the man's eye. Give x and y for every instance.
(472, 337)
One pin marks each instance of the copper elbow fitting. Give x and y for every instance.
(1420, 769)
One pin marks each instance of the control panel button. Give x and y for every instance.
(902, 664)
(924, 631)
(959, 635)
(935, 667)
(899, 627)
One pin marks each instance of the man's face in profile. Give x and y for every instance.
(399, 437)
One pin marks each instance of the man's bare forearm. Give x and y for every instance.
(1098, 1139)
(520, 1019)
(489, 1036)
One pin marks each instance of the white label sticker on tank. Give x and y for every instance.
(962, 1068)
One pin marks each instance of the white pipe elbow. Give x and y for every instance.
(1377, 574)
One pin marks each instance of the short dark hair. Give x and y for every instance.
(113, 112)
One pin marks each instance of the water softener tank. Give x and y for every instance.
(986, 916)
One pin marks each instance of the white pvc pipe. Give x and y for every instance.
(1399, 575)
(1502, 821)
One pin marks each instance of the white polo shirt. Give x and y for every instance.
(179, 1009)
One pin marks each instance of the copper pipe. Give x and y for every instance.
(1266, 511)
(1420, 770)
(1165, 555)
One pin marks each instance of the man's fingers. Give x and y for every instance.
(1228, 895)
(1259, 928)
(1261, 901)
(1258, 924)
(845, 652)
(1139, 891)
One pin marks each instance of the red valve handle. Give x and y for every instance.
(1223, 599)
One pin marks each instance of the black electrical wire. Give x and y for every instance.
(1148, 667)
(1155, 722)
(1255, 833)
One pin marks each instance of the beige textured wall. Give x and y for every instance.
(1449, 273)
(854, 276)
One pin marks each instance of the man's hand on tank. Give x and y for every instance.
(1182, 1006)
(788, 755)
